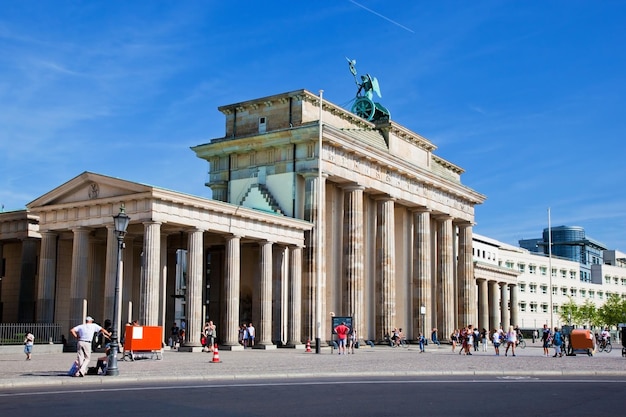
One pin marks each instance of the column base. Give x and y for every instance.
(234, 348)
(265, 346)
(297, 346)
(190, 349)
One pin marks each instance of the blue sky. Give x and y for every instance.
(527, 96)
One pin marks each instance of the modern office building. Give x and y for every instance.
(569, 242)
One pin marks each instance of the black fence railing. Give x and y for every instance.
(14, 333)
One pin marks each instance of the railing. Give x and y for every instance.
(14, 333)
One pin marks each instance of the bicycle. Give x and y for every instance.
(521, 343)
(605, 345)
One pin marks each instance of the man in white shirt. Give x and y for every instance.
(84, 333)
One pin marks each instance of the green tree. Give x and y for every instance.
(569, 312)
(588, 314)
(613, 311)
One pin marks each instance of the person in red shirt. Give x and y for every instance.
(342, 335)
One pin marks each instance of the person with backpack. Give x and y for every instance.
(557, 342)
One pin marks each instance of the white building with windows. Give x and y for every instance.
(537, 290)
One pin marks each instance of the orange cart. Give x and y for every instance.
(582, 340)
(143, 342)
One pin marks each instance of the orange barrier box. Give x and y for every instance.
(143, 339)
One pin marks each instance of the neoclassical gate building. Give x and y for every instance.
(396, 234)
(396, 222)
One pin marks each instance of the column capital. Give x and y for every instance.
(442, 216)
(419, 210)
(352, 187)
(313, 173)
(383, 197)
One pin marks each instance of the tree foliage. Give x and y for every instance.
(613, 311)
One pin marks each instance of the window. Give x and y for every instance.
(533, 288)
(544, 289)
(592, 294)
(521, 268)
(600, 294)
(522, 307)
(563, 273)
(555, 308)
(615, 280)
(544, 308)
(543, 270)
(564, 291)
(607, 279)
(522, 288)
(583, 293)
(572, 292)
(533, 307)
(554, 290)
(572, 274)
(510, 264)
(553, 273)
(532, 269)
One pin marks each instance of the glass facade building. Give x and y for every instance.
(569, 242)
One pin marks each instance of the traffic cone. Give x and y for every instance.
(308, 345)
(216, 355)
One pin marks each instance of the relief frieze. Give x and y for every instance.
(369, 168)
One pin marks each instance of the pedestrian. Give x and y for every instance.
(342, 333)
(484, 336)
(210, 330)
(454, 338)
(511, 341)
(84, 333)
(433, 337)
(557, 342)
(476, 339)
(251, 334)
(422, 340)
(535, 335)
(497, 339)
(545, 340)
(174, 331)
(29, 341)
(353, 341)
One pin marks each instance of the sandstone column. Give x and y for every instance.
(110, 274)
(483, 304)
(422, 278)
(504, 306)
(314, 214)
(149, 292)
(264, 338)
(295, 298)
(514, 306)
(354, 256)
(78, 277)
(231, 291)
(494, 305)
(467, 302)
(385, 285)
(195, 273)
(445, 277)
(47, 278)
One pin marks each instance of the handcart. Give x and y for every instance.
(143, 342)
(581, 340)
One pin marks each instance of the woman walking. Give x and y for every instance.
(511, 341)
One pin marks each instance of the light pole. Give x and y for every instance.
(121, 223)
(423, 314)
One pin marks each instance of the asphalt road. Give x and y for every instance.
(433, 396)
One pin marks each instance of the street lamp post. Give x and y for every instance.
(121, 223)
(423, 314)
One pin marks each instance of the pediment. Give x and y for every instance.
(86, 187)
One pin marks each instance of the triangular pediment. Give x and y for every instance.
(88, 186)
